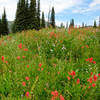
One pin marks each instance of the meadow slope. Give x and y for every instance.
(50, 64)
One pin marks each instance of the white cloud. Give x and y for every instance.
(84, 10)
(95, 3)
(60, 5)
(93, 6)
(10, 6)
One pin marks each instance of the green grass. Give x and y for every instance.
(60, 52)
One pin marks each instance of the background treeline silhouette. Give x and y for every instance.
(28, 16)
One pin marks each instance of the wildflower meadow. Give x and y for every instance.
(50, 64)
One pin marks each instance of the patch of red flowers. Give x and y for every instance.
(52, 34)
(78, 81)
(99, 74)
(72, 74)
(20, 45)
(2, 58)
(95, 78)
(90, 80)
(18, 58)
(25, 49)
(40, 65)
(91, 60)
(27, 66)
(56, 95)
(23, 83)
(68, 78)
(93, 85)
(27, 78)
(27, 94)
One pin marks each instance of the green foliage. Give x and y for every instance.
(50, 56)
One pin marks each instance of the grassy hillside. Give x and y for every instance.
(50, 65)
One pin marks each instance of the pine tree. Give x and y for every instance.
(20, 20)
(43, 21)
(95, 25)
(16, 26)
(53, 18)
(72, 23)
(27, 16)
(5, 29)
(38, 14)
(0, 27)
(23, 15)
(33, 15)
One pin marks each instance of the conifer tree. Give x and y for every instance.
(72, 23)
(27, 16)
(16, 26)
(53, 17)
(33, 15)
(38, 14)
(43, 21)
(95, 25)
(23, 15)
(5, 29)
(20, 20)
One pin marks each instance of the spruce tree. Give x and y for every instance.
(20, 20)
(33, 15)
(95, 25)
(16, 26)
(38, 14)
(23, 15)
(5, 29)
(72, 23)
(43, 21)
(27, 16)
(53, 17)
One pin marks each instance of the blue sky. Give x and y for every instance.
(81, 10)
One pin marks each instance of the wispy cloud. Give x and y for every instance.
(93, 6)
(94, 3)
(60, 5)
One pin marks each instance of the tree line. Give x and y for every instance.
(28, 16)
